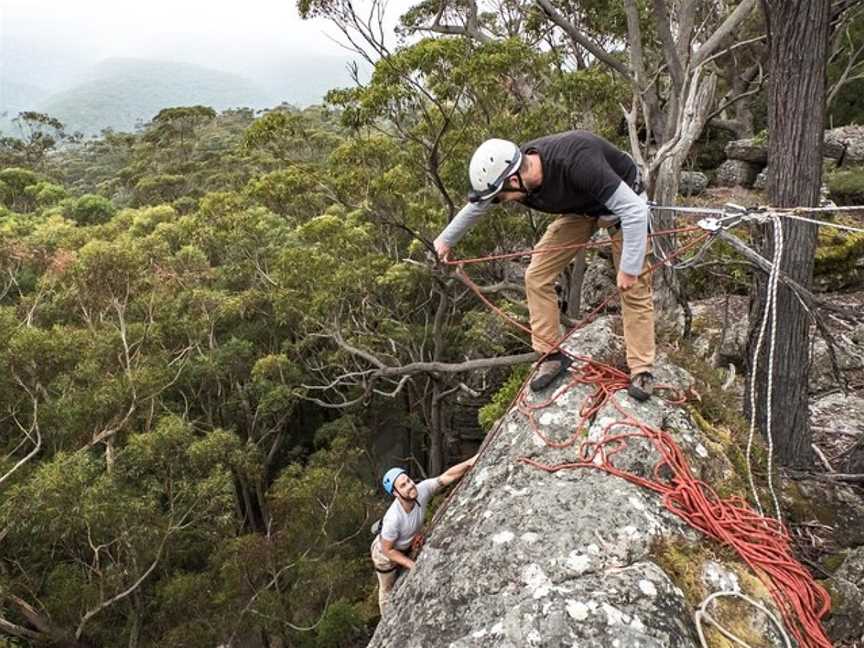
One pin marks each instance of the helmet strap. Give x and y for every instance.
(399, 495)
(522, 187)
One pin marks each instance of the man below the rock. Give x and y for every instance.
(590, 184)
(399, 539)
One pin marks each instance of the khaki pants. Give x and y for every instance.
(637, 304)
(386, 570)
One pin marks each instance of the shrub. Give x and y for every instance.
(497, 407)
(46, 194)
(91, 209)
(341, 626)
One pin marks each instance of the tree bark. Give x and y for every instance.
(574, 278)
(798, 45)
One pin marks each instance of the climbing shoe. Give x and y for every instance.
(551, 368)
(641, 386)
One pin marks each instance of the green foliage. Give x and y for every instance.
(839, 252)
(291, 136)
(503, 398)
(91, 209)
(6, 194)
(846, 186)
(341, 626)
(46, 194)
(846, 106)
(16, 181)
(187, 296)
(291, 192)
(38, 134)
(162, 188)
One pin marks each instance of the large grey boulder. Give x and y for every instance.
(846, 622)
(850, 136)
(522, 557)
(748, 150)
(692, 183)
(737, 173)
(850, 358)
(761, 181)
(598, 283)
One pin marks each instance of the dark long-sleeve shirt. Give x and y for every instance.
(583, 174)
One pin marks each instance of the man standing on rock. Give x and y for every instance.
(591, 184)
(399, 539)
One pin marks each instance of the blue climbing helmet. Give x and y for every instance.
(390, 479)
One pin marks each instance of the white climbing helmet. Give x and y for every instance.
(493, 162)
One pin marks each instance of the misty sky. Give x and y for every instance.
(48, 42)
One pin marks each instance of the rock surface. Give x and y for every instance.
(748, 150)
(852, 137)
(846, 622)
(522, 557)
(737, 173)
(692, 183)
(850, 357)
(761, 182)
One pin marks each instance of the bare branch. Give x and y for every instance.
(459, 367)
(19, 631)
(581, 39)
(29, 434)
(119, 597)
(661, 20)
(729, 26)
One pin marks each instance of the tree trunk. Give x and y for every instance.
(435, 463)
(574, 277)
(798, 42)
(668, 295)
(669, 298)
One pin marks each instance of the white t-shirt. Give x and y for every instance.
(401, 527)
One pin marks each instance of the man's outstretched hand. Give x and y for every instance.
(442, 250)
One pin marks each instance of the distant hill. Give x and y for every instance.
(17, 97)
(120, 92)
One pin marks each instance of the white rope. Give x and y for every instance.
(829, 208)
(702, 613)
(848, 228)
(775, 278)
(692, 210)
(768, 313)
(792, 213)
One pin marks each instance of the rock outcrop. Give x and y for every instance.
(692, 183)
(849, 137)
(737, 173)
(847, 622)
(746, 158)
(522, 557)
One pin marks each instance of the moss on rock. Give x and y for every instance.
(687, 565)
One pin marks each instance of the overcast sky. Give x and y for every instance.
(45, 41)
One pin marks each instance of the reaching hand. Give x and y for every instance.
(442, 250)
(626, 281)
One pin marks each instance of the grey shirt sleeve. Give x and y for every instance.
(463, 221)
(426, 489)
(633, 212)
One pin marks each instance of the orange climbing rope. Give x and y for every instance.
(762, 542)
